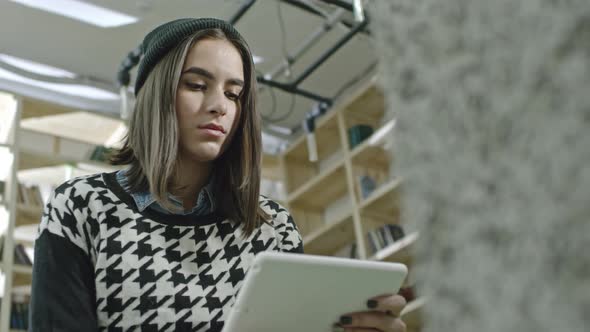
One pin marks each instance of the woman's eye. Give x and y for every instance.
(232, 96)
(196, 86)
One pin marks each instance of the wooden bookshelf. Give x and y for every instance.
(383, 200)
(23, 269)
(296, 157)
(330, 237)
(46, 135)
(10, 114)
(28, 214)
(322, 189)
(314, 189)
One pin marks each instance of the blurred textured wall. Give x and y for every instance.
(493, 136)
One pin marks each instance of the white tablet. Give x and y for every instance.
(295, 292)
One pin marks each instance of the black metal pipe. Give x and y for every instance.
(305, 7)
(351, 25)
(241, 11)
(309, 70)
(293, 89)
(340, 3)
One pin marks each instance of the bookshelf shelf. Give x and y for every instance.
(28, 214)
(22, 290)
(327, 127)
(321, 190)
(371, 152)
(369, 156)
(399, 251)
(26, 234)
(6, 146)
(23, 269)
(383, 198)
(18, 268)
(72, 136)
(296, 157)
(330, 237)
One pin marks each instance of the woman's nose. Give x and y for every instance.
(216, 102)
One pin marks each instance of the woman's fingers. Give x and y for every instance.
(375, 320)
(353, 329)
(391, 304)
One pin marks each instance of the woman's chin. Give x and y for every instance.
(202, 151)
(202, 154)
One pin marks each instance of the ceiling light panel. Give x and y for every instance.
(81, 11)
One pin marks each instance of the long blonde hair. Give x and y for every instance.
(151, 146)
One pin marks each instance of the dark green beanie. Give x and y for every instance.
(165, 37)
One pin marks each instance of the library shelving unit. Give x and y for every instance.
(10, 110)
(326, 198)
(48, 144)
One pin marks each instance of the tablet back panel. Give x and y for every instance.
(294, 292)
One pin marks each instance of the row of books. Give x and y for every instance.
(21, 256)
(384, 236)
(29, 195)
(377, 239)
(19, 315)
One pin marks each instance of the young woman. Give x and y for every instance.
(164, 244)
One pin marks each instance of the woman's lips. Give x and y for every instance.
(211, 132)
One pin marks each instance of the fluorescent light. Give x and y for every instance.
(35, 67)
(82, 11)
(257, 59)
(78, 90)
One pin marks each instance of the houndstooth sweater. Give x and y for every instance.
(100, 264)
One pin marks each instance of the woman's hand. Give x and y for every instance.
(383, 315)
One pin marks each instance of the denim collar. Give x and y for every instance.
(143, 200)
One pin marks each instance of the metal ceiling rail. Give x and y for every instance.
(123, 76)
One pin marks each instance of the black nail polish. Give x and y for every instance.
(372, 304)
(345, 320)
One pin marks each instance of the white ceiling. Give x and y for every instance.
(97, 52)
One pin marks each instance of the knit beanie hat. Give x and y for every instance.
(165, 37)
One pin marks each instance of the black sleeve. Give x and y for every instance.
(63, 294)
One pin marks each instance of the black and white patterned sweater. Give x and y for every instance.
(100, 265)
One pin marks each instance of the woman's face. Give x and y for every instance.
(208, 99)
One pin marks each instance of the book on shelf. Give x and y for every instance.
(29, 195)
(377, 239)
(384, 236)
(21, 256)
(19, 312)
